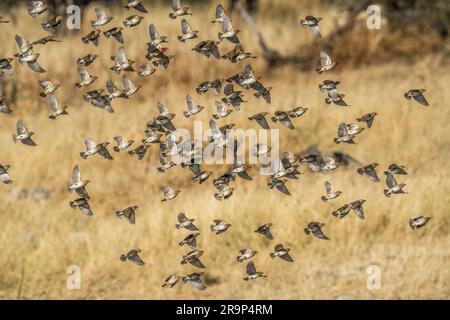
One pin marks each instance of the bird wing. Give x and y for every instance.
(182, 217)
(136, 259)
(227, 26)
(250, 269)
(213, 125)
(176, 5)
(228, 89)
(120, 140)
(372, 174)
(162, 109)
(279, 247)
(76, 175)
(185, 27)
(370, 121)
(220, 12)
(390, 181)
(221, 107)
(268, 234)
(319, 234)
(127, 84)
(421, 99)
(316, 31)
(287, 257)
(105, 153)
(324, 59)
(262, 121)
(90, 144)
(190, 103)
(53, 103)
(100, 15)
(33, 65)
(359, 211)
(152, 31)
(21, 127)
(45, 84)
(282, 187)
(191, 227)
(110, 86)
(84, 75)
(198, 284)
(22, 43)
(121, 57)
(248, 71)
(328, 187)
(287, 122)
(29, 142)
(342, 130)
(82, 193)
(197, 263)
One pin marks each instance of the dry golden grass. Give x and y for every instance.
(40, 239)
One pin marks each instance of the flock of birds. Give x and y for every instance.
(160, 130)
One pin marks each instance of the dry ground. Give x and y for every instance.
(39, 239)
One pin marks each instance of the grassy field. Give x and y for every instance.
(41, 235)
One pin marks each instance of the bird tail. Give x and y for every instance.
(161, 169)
(84, 39)
(307, 231)
(246, 278)
(302, 23)
(14, 136)
(336, 140)
(116, 149)
(186, 114)
(172, 15)
(274, 119)
(119, 214)
(319, 71)
(272, 255)
(220, 35)
(123, 258)
(178, 226)
(52, 117)
(83, 155)
(180, 38)
(386, 193)
(324, 199)
(239, 259)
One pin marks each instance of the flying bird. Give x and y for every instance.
(418, 222)
(100, 18)
(417, 94)
(331, 193)
(312, 23)
(178, 10)
(77, 184)
(315, 228)
(4, 176)
(128, 213)
(23, 135)
(133, 256)
(252, 273)
(187, 32)
(281, 252)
